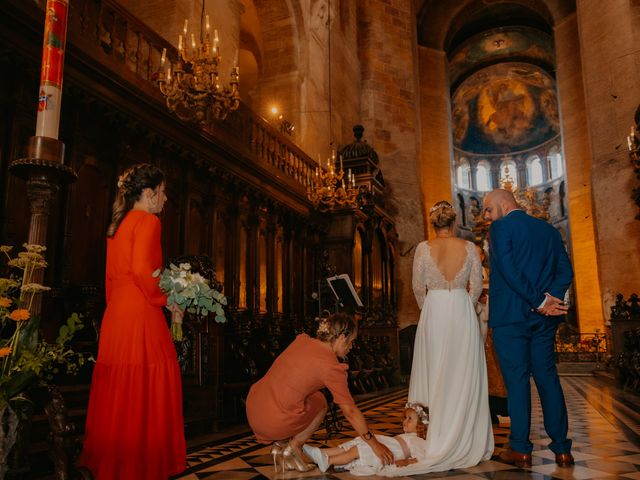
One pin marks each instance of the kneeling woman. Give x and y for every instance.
(287, 404)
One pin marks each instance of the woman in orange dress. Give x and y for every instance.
(135, 428)
(287, 404)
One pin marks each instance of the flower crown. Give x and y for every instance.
(422, 412)
(439, 205)
(323, 326)
(120, 181)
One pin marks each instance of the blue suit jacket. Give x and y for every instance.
(527, 260)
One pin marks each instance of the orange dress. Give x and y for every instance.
(285, 401)
(135, 428)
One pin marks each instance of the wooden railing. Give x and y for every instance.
(107, 33)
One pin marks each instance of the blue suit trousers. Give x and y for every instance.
(526, 349)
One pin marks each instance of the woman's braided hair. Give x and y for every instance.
(130, 186)
(333, 326)
(442, 215)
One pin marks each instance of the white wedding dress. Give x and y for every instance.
(449, 371)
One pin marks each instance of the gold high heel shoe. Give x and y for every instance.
(276, 453)
(292, 460)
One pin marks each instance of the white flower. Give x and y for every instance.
(184, 266)
(182, 281)
(196, 277)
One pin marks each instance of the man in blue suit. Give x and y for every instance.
(530, 274)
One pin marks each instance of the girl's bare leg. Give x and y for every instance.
(344, 456)
(332, 451)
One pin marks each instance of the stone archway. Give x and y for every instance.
(441, 24)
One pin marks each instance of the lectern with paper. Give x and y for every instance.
(345, 293)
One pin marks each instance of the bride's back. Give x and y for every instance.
(448, 255)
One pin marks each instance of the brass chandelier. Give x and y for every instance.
(526, 198)
(192, 89)
(328, 190)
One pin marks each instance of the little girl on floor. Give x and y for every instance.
(357, 457)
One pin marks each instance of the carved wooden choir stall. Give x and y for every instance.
(237, 206)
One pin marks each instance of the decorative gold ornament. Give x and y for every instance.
(329, 190)
(192, 89)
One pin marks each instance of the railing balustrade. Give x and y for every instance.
(107, 33)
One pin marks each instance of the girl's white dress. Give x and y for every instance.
(370, 464)
(449, 371)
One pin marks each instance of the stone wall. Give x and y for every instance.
(610, 52)
(390, 106)
(578, 161)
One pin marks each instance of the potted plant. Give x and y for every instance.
(26, 359)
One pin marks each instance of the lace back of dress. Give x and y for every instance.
(436, 279)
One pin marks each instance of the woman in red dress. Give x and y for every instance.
(135, 428)
(287, 404)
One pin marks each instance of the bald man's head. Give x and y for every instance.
(498, 203)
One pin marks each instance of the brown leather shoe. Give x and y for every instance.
(520, 460)
(564, 459)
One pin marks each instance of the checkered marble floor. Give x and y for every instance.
(604, 423)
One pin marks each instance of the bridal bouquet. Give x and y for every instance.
(190, 292)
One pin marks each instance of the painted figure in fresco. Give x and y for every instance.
(509, 118)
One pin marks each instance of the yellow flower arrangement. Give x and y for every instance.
(24, 358)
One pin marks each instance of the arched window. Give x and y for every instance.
(508, 172)
(483, 177)
(463, 174)
(554, 160)
(534, 170)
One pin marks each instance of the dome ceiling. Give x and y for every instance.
(503, 108)
(522, 44)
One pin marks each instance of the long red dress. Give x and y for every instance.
(135, 428)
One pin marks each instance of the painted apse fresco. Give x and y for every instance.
(505, 108)
(505, 127)
(503, 44)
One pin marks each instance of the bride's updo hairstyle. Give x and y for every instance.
(442, 215)
(332, 327)
(130, 186)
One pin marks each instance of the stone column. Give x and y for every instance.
(473, 172)
(521, 174)
(544, 163)
(495, 174)
(609, 35)
(435, 160)
(578, 160)
(390, 103)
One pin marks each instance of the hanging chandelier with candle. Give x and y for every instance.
(191, 86)
(329, 189)
(527, 198)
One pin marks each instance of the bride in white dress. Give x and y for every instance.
(449, 372)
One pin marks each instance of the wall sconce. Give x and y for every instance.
(284, 125)
(633, 142)
(287, 127)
